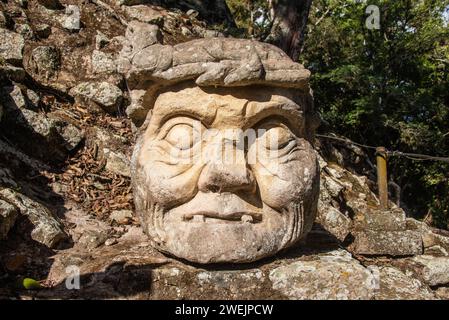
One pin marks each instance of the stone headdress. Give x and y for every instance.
(149, 66)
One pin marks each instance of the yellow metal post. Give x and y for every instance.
(382, 182)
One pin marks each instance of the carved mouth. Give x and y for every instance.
(206, 216)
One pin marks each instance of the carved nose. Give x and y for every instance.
(220, 178)
(227, 170)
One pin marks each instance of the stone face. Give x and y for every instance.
(47, 229)
(11, 46)
(25, 30)
(393, 243)
(8, 215)
(396, 285)
(334, 276)
(200, 193)
(200, 207)
(107, 95)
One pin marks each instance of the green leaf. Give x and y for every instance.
(31, 284)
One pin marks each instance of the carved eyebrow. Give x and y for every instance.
(186, 111)
(289, 113)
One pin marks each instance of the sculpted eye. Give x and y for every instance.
(276, 138)
(182, 133)
(182, 136)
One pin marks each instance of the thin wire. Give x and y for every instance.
(347, 141)
(417, 157)
(411, 156)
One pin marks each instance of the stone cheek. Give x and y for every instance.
(206, 195)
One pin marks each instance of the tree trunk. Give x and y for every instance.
(289, 25)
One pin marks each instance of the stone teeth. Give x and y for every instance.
(246, 218)
(198, 218)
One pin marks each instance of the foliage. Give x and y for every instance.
(251, 16)
(388, 87)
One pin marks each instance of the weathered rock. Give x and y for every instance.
(131, 269)
(11, 47)
(25, 30)
(431, 239)
(45, 61)
(51, 4)
(47, 229)
(335, 275)
(72, 19)
(121, 215)
(394, 243)
(334, 221)
(42, 30)
(8, 215)
(144, 14)
(140, 35)
(435, 251)
(192, 13)
(375, 219)
(33, 98)
(110, 242)
(47, 137)
(6, 176)
(435, 270)
(17, 98)
(4, 20)
(101, 40)
(396, 285)
(117, 162)
(12, 73)
(92, 239)
(70, 134)
(107, 95)
(413, 224)
(102, 63)
(442, 293)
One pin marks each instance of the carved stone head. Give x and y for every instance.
(223, 169)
